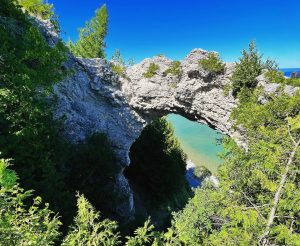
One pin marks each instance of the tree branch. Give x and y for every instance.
(264, 239)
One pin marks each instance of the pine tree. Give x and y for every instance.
(91, 42)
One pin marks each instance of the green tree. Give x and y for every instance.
(247, 69)
(88, 229)
(118, 64)
(91, 41)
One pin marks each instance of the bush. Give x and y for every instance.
(28, 134)
(213, 64)
(293, 81)
(174, 69)
(152, 69)
(21, 223)
(92, 171)
(275, 76)
(119, 70)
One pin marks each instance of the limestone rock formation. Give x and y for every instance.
(94, 99)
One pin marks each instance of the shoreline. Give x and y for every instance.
(195, 182)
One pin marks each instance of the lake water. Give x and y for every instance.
(198, 141)
(288, 71)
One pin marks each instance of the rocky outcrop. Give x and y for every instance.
(94, 99)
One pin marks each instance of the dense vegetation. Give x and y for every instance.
(28, 134)
(256, 202)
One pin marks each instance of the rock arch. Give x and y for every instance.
(94, 99)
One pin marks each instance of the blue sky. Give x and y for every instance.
(144, 28)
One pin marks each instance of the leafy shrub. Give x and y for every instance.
(152, 69)
(92, 170)
(275, 76)
(20, 223)
(293, 81)
(174, 69)
(213, 64)
(118, 69)
(94, 155)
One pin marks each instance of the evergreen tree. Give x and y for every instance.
(91, 42)
(88, 229)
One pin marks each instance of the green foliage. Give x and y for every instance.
(237, 212)
(91, 42)
(278, 77)
(28, 133)
(143, 236)
(152, 69)
(247, 69)
(275, 76)
(174, 69)
(88, 229)
(21, 224)
(213, 64)
(293, 81)
(8, 178)
(38, 8)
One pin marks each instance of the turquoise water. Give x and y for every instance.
(198, 141)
